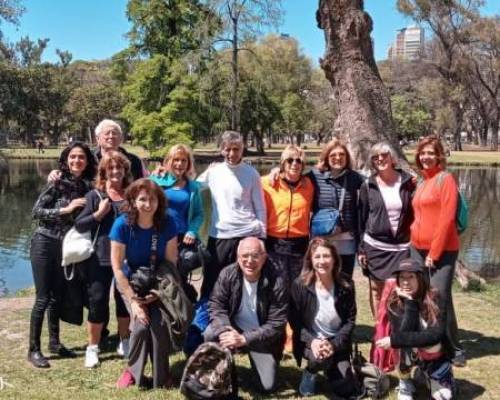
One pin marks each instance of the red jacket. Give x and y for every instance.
(435, 208)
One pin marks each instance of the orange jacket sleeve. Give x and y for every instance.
(445, 226)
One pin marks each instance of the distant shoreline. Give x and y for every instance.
(457, 159)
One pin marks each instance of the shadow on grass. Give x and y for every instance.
(478, 345)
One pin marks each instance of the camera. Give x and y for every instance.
(143, 280)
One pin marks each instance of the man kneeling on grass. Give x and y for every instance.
(248, 310)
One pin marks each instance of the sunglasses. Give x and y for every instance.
(381, 155)
(291, 160)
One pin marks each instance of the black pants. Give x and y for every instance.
(287, 256)
(348, 264)
(45, 255)
(98, 280)
(223, 253)
(338, 370)
(442, 279)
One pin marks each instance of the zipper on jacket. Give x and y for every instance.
(289, 211)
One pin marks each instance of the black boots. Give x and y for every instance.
(38, 360)
(61, 350)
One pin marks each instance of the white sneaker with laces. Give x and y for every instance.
(92, 356)
(123, 347)
(405, 389)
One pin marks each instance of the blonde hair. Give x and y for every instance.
(289, 151)
(324, 164)
(188, 152)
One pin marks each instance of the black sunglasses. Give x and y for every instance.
(291, 160)
(383, 155)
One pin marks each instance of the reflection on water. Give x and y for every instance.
(480, 244)
(20, 184)
(23, 180)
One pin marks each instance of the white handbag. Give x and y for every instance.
(78, 247)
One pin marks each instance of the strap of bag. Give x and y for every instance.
(342, 196)
(69, 276)
(153, 257)
(98, 226)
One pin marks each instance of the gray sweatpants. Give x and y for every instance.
(442, 279)
(149, 340)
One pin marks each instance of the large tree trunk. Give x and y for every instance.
(364, 108)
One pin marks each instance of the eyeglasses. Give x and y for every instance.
(247, 256)
(291, 160)
(337, 155)
(382, 156)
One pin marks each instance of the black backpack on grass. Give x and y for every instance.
(373, 382)
(209, 374)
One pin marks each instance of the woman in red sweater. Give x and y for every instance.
(434, 236)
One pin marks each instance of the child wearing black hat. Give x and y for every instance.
(418, 329)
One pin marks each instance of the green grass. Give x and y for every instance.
(471, 156)
(478, 314)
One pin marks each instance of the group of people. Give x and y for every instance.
(268, 277)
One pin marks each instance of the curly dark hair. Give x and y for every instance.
(308, 276)
(91, 168)
(152, 189)
(426, 297)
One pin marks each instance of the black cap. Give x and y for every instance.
(409, 265)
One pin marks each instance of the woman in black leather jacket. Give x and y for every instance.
(56, 208)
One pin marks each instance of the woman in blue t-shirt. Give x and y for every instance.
(131, 238)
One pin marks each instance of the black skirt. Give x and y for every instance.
(382, 263)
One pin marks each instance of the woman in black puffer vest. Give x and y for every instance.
(333, 179)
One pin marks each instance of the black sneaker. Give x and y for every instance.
(61, 351)
(459, 360)
(38, 360)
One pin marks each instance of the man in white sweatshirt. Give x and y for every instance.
(238, 207)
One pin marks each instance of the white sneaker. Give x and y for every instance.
(123, 347)
(440, 392)
(92, 356)
(405, 389)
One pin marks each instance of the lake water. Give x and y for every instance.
(22, 180)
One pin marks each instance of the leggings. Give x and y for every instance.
(98, 282)
(442, 279)
(45, 255)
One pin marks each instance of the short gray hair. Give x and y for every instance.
(251, 239)
(107, 123)
(230, 137)
(383, 147)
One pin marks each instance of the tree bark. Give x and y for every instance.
(364, 108)
(495, 123)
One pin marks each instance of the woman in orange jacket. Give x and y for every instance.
(434, 235)
(288, 200)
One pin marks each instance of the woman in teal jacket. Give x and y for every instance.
(182, 192)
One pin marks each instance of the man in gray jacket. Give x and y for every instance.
(248, 310)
